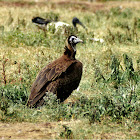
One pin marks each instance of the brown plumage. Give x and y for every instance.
(60, 77)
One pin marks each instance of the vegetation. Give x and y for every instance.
(108, 99)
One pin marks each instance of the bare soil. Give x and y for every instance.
(26, 130)
(75, 5)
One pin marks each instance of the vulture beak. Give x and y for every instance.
(78, 40)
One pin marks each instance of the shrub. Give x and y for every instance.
(14, 94)
(118, 11)
(51, 16)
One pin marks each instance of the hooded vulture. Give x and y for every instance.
(60, 77)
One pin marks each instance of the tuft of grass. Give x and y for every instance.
(67, 133)
(51, 16)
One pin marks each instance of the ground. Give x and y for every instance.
(53, 130)
(27, 131)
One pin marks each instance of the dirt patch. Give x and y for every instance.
(84, 6)
(28, 131)
(20, 4)
(74, 5)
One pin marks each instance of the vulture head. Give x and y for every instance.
(73, 40)
(70, 48)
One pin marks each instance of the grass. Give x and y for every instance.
(107, 103)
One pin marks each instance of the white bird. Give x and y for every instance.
(46, 24)
(58, 24)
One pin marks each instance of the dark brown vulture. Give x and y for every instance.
(60, 77)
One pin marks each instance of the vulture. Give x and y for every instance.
(45, 24)
(60, 77)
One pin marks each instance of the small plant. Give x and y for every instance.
(4, 104)
(14, 94)
(51, 16)
(115, 73)
(9, 97)
(124, 13)
(127, 13)
(129, 70)
(2, 34)
(67, 133)
(10, 19)
(51, 100)
(51, 28)
(134, 30)
(130, 34)
(138, 65)
(4, 70)
(98, 74)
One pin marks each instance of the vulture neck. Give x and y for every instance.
(69, 52)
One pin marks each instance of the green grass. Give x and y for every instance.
(108, 99)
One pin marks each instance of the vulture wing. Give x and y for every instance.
(47, 75)
(69, 80)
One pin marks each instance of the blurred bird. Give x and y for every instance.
(76, 21)
(41, 23)
(60, 77)
(46, 24)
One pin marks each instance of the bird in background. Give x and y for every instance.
(60, 77)
(46, 24)
(76, 21)
(41, 23)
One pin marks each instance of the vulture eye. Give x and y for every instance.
(72, 39)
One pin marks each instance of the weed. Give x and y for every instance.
(4, 69)
(118, 11)
(67, 133)
(10, 19)
(115, 73)
(51, 16)
(11, 95)
(130, 33)
(128, 67)
(14, 94)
